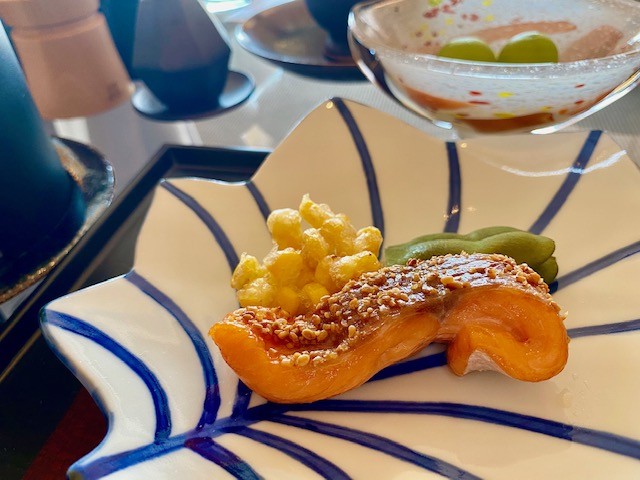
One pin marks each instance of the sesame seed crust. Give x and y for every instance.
(344, 318)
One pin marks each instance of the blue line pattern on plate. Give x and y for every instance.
(455, 190)
(265, 412)
(216, 453)
(595, 266)
(212, 389)
(158, 395)
(259, 198)
(606, 329)
(208, 220)
(569, 183)
(367, 164)
(376, 442)
(411, 366)
(241, 401)
(585, 436)
(315, 462)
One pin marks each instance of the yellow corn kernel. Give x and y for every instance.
(288, 299)
(257, 292)
(311, 294)
(352, 266)
(305, 276)
(315, 214)
(314, 246)
(248, 269)
(339, 234)
(323, 273)
(284, 265)
(314, 292)
(368, 239)
(285, 226)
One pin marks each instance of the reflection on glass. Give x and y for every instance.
(215, 6)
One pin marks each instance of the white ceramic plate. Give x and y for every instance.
(175, 410)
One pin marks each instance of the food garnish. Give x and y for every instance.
(524, 247)
(305, 265)
(529, 47)
(493, 313)
(468, 48)
(525, 47)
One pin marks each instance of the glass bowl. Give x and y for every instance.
(395, 43)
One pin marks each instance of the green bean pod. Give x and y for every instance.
(523, 247)
(548, 269)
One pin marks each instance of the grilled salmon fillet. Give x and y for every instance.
(493, 313)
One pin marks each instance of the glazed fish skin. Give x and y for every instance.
(493, 313)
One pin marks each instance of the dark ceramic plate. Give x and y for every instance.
(94, 176)
(237, 89)
(287, 35)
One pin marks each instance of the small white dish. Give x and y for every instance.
(139, 342)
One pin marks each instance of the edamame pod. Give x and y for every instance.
(475, 235)
(523, 247)
(548, 269)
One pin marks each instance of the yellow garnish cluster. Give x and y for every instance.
(305, 265)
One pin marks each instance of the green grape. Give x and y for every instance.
(468, 48)
(529, 47)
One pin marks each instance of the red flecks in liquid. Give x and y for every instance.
(563, 111)
(580, 85)
(474, 17)
(479, 102)
(431, 13)
(578, 102)
(474, 92)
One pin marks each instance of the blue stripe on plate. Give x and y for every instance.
(367, 164)
(416, 365)
(241, 401)
(569, 183)
(103, 466)
(259, 198)
(585, 436)
(378, 443)
(595, 266)
(315, 462)
(455, 190)
(137, 366)
(607, 329)
(216, 453)
(208, 220)
(212, 389)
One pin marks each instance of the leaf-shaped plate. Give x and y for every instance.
(139, 343)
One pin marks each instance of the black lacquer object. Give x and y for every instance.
(182, 55)
(121, 17)
(332, 16)
(41, 207)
